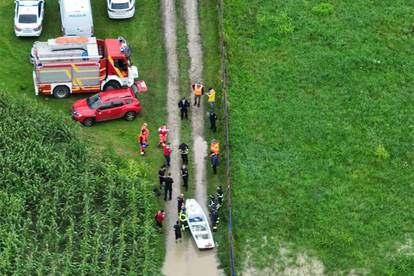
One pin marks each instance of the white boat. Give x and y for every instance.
(198, 224)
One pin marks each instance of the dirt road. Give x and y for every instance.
(184, 258)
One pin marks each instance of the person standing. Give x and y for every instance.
(159, 218)
(177, 231)
(184, 149)
(214, 215)
(183, 217)
(184, 105)
(214, 158)
(184, 174)
(198, 91)
(142, 143)
(180, 202)
(145, 131)
(163, 133)
(168, 182)
(161, 175)
(215, 146)
(213, 118)
(211, 94)
(220, 195)
(167, 153)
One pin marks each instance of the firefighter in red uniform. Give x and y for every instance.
(145, 131)
(142, 140)
(163, 133)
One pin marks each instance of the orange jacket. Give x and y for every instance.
(145, 132)
(215, 148)
(198, 89)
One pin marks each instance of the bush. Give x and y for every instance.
(381, 152)
(275, 25)
(323, 9)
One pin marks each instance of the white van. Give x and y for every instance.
(76, 16)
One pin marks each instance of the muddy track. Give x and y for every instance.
(184, 258)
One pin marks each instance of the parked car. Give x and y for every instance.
(76, 17)
(120, 9)
(28, 17)
(107, 105)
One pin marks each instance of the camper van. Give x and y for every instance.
(76, 16)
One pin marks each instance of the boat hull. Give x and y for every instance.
(199, 226)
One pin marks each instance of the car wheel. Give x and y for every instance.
(130, 115)
(61, 91)
(111, 85)
(88, 122)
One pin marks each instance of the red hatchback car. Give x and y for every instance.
(108, 105)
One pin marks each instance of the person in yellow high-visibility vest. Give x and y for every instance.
(198, 91)
(211, 98)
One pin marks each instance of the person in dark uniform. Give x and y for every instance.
(214, 218)
(220, 195)
(184, 105)
(184, 149)
(180, 202)
(177, 230)
(161, 175)
(184, 174)
(168, 181)
(213, 118)
(214, 158)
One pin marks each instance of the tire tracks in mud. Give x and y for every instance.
(183, 258)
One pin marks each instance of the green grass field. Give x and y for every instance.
(322, 133)
(143, 32)
(116, 138)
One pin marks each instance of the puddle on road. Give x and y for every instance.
(184, 258)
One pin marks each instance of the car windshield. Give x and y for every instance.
(120, 6)
(27, 18)
(94, 101)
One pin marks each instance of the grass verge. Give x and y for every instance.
(322, 133)
(208, 15)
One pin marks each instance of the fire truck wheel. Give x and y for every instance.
(111, 85)
(61, 91)
(88, 122)
(130, 115)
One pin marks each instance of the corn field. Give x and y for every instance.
(64, 210)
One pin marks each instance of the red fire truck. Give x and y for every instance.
(71, 65)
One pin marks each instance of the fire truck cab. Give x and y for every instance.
(71, 65)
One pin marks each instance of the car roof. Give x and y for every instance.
(28, 7)
(116, 94)
(30, 3)
(119, 1)
(77, 6)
